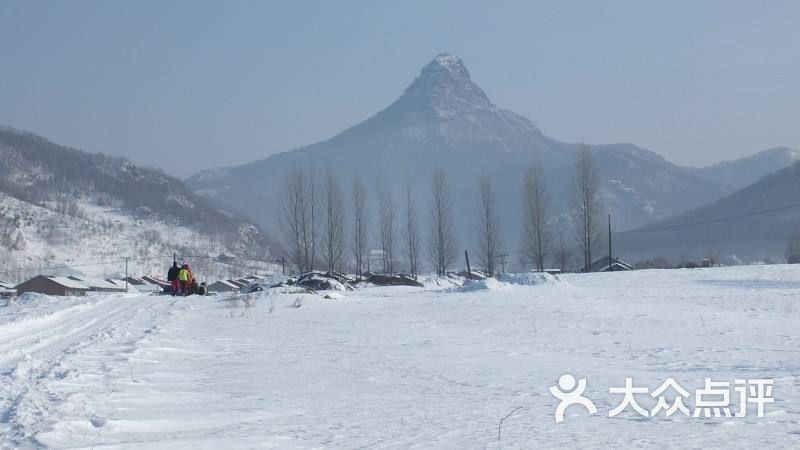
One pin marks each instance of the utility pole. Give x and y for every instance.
(469, 271)
(126, 274)
(283, 265)
(610, 260)
(503, 261)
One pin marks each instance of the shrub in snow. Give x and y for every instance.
(529, 278)
(487, 284)
(392, 280)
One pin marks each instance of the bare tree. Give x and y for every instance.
(297, 219)
(412, 235)
(793, 251)
(333, 238)
(314, 223)
(359, 245)
(587, 211)
(536, 216)
(488, 232)
(442, 245)
(386, 232)
(564, 254)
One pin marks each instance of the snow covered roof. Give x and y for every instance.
(222, 283)
(601, 265)
(67, 282)
(96, 283)
(237, 283)
(153, 280)
(6, 285)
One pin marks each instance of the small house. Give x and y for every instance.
(602, 265)
(141, 285)
(7, 289)
(51, 285)
(122, 284)
(223, 286)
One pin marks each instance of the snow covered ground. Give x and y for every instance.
(401, 367)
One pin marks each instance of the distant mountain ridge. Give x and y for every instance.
(736, 174)
(754, 223)
(444, 119)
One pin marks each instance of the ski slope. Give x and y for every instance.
(400, 367)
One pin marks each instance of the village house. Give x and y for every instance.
(7, 289)
(52, 285)
(602, 265)
(223, 286)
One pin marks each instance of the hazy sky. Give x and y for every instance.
(197, 84)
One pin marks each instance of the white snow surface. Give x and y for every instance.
(400, 367)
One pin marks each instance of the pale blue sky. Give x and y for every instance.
(187, 85)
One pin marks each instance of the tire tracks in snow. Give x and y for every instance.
(31, 352)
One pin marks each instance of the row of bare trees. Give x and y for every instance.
(539, 224)
(316, 215)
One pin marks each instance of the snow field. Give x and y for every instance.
(400, 367)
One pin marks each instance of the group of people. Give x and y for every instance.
(182, 280)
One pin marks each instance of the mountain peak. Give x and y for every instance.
(445, 86)
(445, 64)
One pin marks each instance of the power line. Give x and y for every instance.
(718, 220)
(72, 266)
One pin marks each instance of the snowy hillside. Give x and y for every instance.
(95, 240)
(63, 207)
(400, 367)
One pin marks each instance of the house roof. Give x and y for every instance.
(122, 283)
(137, 281)
(6, 285)
(255, 277)
(601, 264)
(67, 282)
(96, 283)
(153, 280)
(224, 283)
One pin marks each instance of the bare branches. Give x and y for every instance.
(536, 231)
(412, 234)
(298, 220)
(359, 243)
(488, 232)
(588, 205)
(442, 244)
(333, 238)
(386, 232)
(504, 418)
